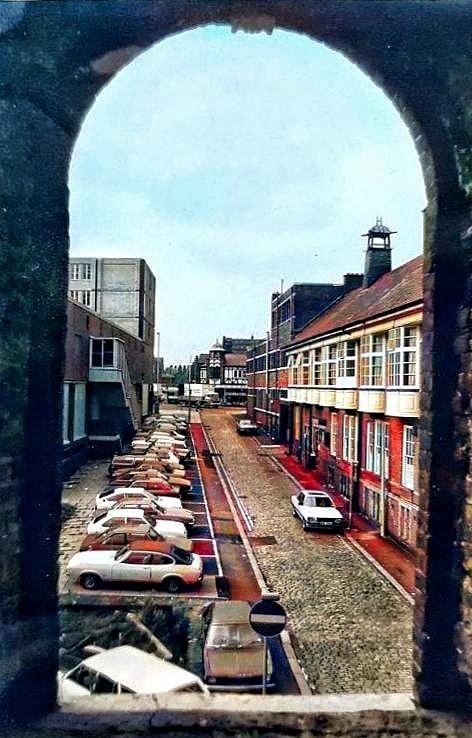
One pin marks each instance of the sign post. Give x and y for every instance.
(268, 619)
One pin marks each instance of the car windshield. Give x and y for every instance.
(98, 517)
(233, 635)
(181, 556)
(318, 502)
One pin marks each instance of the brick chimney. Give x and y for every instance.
(378, 257)
(352, 282)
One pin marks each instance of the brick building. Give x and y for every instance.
(224, 367)
(108, 384)
(267, 370)
(353, 392)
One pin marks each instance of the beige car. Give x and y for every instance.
(233, 652)
(136, 564)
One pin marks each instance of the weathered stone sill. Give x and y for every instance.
(353, 716)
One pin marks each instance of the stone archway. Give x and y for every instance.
(55, 58)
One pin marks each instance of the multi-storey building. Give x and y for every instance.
(353, 392)
(267, 373)
(121, 290)
(108, 385)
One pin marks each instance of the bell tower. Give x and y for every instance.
(378, 257)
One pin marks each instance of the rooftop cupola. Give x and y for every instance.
(378, 257)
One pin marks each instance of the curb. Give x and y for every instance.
(350, 541)
(286, 643)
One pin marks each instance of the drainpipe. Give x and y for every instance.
(383, 504)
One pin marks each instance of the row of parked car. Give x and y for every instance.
(138, 533)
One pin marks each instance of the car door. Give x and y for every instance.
(162, 565)
(132, 566)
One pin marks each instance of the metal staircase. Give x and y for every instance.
(129, 391)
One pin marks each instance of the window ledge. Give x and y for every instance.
(129, 715)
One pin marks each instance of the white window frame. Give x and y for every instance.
(401, 354)
(86, 271)
(333, 439)
(347, 363)
(377, 435)
(329, 365)
(369, 355)
(75, 271)
(349, 438)
(408, 453)
(317, 367)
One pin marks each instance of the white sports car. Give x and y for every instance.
(172, 570)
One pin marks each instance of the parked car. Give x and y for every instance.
(233, 651)
(156, 484)
(125, 669)
(159, 512)
(108, 498)
(246, 428)
(316, 509)
(122, 535)
(131, 565)
(111, 518)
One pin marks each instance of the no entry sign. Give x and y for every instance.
(268, 618)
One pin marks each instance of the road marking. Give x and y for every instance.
(269, 619)
(210, 524)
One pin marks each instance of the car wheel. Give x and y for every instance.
(90, 581)
(173, 585)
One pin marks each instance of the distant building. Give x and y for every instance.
(224, 367)
(121, 290)
(267, 360)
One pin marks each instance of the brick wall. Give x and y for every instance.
(81, 324)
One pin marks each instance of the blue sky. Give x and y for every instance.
(232, 161)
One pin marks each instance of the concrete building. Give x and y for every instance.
(108, 385)
(121, 290)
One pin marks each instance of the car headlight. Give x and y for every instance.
(312, 520)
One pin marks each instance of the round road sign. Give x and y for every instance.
(268, 618)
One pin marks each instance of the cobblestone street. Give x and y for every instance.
(352, 630)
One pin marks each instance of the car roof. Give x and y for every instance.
(119, 512)
(129, 490)
(141, 672)
(234, 611)
(160, 546)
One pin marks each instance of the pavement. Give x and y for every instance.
(350, 628)
(390, 559)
